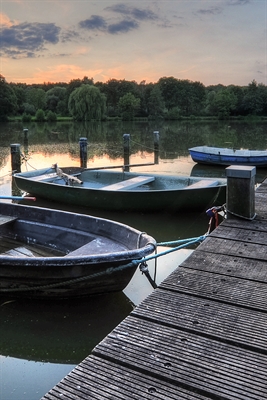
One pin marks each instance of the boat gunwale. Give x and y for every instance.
(221, 182)
(228, 152)
(87, 259)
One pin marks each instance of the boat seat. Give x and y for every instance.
(5, 219)
(19, 252)
(129, 183)
(53, 176)
(97, 246)
(202, 184)
(44, 178)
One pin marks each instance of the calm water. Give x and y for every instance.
(42, 341)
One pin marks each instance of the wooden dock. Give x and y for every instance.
(201, 335)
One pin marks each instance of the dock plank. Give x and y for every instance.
(235, 248)
(227, 323)
(238, 234)
(212, 286)
(119, 382)
(164, 353)
(228, 265)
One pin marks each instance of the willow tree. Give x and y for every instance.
(87, 103)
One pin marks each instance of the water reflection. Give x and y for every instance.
(106, 138)
(216, 171)
(59, 331)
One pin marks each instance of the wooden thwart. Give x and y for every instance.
(44, 178)
(19, 252)
(202, 184)
(104, 244)
(4, 219)
(130, 183)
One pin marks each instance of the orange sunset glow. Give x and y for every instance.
(212, 42)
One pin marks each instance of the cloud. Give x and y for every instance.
(238, 2)
(130, 21)
(209, 11)
(122, 26)
(98, 23)
(5, 20)
(134, 12)
(94, 23)
(69, 35)
(25, 39)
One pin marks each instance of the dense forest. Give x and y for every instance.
(169, 98)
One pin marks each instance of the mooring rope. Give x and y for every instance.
(110, 270)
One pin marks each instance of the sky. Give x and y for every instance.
(212, 42)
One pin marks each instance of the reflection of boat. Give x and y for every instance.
(50, 253)
(217, 171)
(224, 156)
(209, 171)
(109, 190)
(59, 332)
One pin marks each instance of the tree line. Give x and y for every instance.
(169, 98)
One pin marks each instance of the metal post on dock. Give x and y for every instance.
(15, 157)
(126, 151)
(240, 197)
(83, 152)
(156, 147)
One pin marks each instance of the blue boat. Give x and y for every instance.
(224, 156)
(54, 254)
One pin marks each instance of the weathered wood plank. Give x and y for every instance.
(44, 177)
(230, 290)
(236, 248)
(240, 234)
(254, 225)
(186, 360)
(19, 252)
(228, 265)
(202, 184)
(129, 183)
(108, 380)
(104, 245)
(5, 219)
(227, 323)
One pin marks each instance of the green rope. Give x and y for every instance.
(191, 241)
(197, 239)
(110, 270)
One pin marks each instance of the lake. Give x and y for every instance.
(41, 341)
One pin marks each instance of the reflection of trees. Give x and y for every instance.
(4, 154)
(106, 138)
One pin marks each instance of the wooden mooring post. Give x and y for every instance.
(126, 151)
(15, 157)
(156, 147)
(26, 141)
(240, 197)
(83, 152)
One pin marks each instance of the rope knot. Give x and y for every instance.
(143, 267)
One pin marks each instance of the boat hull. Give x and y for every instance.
(93, 255)
(165, 193)
(226, 157)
